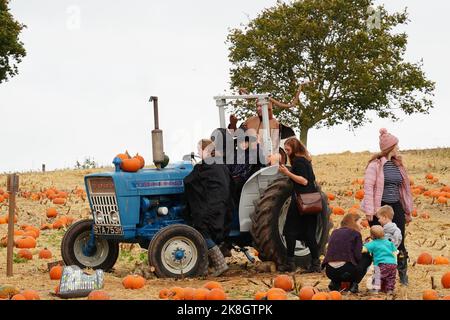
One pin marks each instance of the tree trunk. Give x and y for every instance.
(304, 135)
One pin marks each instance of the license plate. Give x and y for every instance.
(108, 230)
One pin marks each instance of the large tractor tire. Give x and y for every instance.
(269, 219)
(73, 248)
(178, 251)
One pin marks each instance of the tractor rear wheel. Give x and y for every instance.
(73, 246)
(178, 251)
(270, 217)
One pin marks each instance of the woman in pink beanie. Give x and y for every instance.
(387, 183)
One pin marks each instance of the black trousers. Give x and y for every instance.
(399, 219)
(349, 272)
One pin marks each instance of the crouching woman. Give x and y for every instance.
(208, 196)
(344, 261)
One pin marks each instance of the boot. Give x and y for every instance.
(314, 267)
(289, 266)
(334, 286)
(354, 287)
(402, 267)
(225, 248)
(218, 262)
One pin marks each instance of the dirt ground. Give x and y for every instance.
(335, 173)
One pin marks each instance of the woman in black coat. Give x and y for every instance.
(300, 227)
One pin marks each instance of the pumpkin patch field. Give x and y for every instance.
(48, 203)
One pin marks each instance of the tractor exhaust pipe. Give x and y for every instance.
(157, 137)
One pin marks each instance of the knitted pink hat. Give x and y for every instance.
(387, 140)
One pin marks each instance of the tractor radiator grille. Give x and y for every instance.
(105, 209)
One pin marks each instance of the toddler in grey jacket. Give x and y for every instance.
(391, 232)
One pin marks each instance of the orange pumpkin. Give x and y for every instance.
(216, 294)
(189, 293)
(276, 294)
(45, 254)
(429, 176)
(284, 282)
(335, 295)
(141, 160)
(25, 254)
(445, 280)
(442, 200)
(414, 213)
(348, 193)
(123, 156)
(133, 282)
(440, 260)
(446, 297)
(18, 297)
(331, 196)
(98, 295)
(19, 232)
(31, 295)
(164, 293)
(430, 295)
(131, 165)
(47, 226)
(212, 285)
(56, 272)
(52, 213)
(321, 296)
(260, 295)
(26, 243)
(359, 194)
(34, 229)
(59, 201)
(338, 211)
(425, 258)
(176, 293)
(201, 294)
(3, 220)
(307, 292)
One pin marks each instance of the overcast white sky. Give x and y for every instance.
(83, 89)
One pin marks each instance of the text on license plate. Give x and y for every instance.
(108, 230)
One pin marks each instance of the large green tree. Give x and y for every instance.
(11, 48)
(349, 48)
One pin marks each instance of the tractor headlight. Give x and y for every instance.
(163, 211)
(99, 217)
(114, 217)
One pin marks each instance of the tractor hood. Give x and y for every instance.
(146, 182)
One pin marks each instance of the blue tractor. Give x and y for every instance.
(147, 207)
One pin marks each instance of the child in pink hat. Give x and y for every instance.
(387, 183)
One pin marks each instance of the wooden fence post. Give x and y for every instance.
(12, 188)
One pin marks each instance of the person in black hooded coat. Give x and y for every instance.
(208, 194)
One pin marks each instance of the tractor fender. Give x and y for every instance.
(252, 192)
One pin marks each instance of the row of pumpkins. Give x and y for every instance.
(131, 164)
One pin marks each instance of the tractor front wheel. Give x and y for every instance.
(75, 249)
(178, 251)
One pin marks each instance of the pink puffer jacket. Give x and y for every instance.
(374, 187)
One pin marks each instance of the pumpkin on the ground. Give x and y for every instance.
(216, 294)
(56, 272)
(26, 243)
(31, 295)
(276, 294)
(133, 282)
(440, 260)
(425, 258)
(212, 285)
(430, 295)
(52, 213)
(201, 294)
(25, 254)
(45, 254)
(445, 280)
(307, 292)
(98, 295)
(284, 282)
